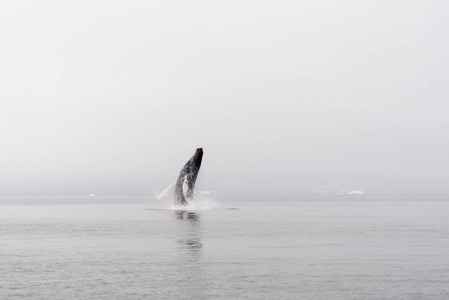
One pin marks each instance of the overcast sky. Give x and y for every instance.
(285, 97)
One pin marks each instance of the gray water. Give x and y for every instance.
(330, 247)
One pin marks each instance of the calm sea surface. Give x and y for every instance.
(329, 247)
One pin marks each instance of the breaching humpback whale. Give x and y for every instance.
(184, 185)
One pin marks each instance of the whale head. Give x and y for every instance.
(197, 157)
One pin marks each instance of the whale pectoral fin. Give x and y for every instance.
(185, 187)
(168, 191)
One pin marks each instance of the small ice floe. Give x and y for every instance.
(356, 192)
(206, 193)
(91, 195)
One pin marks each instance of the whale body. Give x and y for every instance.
(183, 187)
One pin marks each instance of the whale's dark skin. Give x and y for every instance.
(187, 177)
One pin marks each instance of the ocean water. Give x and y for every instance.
(327, 247)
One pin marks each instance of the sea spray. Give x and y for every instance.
(200, 203)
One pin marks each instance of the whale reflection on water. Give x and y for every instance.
(189, 232)
(186, 215)
(189, 239)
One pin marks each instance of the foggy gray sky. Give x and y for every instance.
(285, 97)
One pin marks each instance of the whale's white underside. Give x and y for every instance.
(171, 188)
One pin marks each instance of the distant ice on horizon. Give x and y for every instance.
(342, 192)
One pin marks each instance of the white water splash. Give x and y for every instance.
(200, 203)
